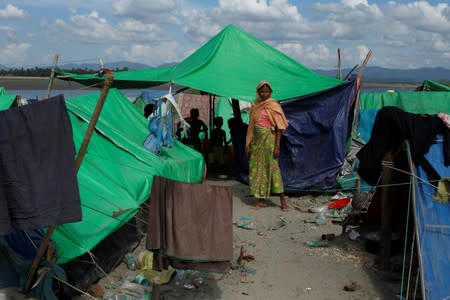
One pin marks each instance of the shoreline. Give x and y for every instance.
(34, 83)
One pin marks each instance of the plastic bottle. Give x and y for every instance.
(317, 244)
(131, 262)
(180, 277)
(321, 219)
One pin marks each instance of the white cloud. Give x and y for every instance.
(91, 28)
(422, 15)
(14, 53)
(274, 20)
(147, 11)
(5, 28)
(12, 12)
(259, 10)
(155, 55)
(319, 56)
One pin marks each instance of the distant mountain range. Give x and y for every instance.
(384, 75)
(371, 74)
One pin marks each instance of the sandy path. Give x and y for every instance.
(284, 268)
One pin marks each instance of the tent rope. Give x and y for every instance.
(74, 287)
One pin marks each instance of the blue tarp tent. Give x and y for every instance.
(433, 230)
(313, 146)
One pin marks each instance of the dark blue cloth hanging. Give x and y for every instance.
(313, 146)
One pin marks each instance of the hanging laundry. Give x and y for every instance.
(391, 128)
(190, 225)
(38, 183)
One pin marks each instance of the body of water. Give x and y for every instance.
(133, 93)
(42, 94)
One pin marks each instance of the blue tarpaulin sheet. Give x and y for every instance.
(313, 146)
(433, 228)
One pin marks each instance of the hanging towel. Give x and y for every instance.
(190, 225)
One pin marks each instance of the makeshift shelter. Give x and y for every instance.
(6, 99)
(114, 180)
(413, 102)
(116, 175)
(430, 217)
(313, 146)
(432, 86)
(432, 225)
(230, 64)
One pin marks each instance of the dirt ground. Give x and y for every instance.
(283, 266)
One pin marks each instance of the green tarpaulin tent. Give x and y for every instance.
(116, 174)
(432, 86)
(117, 171)
(230, 64)
(6, 100)
(413, 102)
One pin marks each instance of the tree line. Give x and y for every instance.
(45, 72)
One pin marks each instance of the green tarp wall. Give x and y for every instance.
(433, 86)
(413, 102)
(116, 174)
(230, 65)
(6, 100)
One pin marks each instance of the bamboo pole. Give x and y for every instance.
(94, 119)
(339, 64)
(44, 245)
(52, 75)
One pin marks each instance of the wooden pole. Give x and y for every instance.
(94, 119)
(52, 75)
(339, 64)
(386, 213)
(44, 245)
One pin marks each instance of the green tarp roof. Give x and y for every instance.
(6, 100)
(433, 86)
(117, 172)
(230, 64)
(413, 102)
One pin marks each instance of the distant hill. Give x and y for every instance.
(112, 66)
(385, 75)
(371, 74)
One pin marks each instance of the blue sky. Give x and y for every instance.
(401, 34)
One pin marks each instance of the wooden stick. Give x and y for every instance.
(52, 75)
(339, 64)
(37, 259)
(44, 245)
(94, 119)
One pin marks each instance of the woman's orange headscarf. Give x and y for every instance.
(274, 111)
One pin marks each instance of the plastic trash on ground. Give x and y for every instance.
(246, 222)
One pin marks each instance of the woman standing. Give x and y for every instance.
(266, 126)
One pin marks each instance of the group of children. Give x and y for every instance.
(220, 154)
